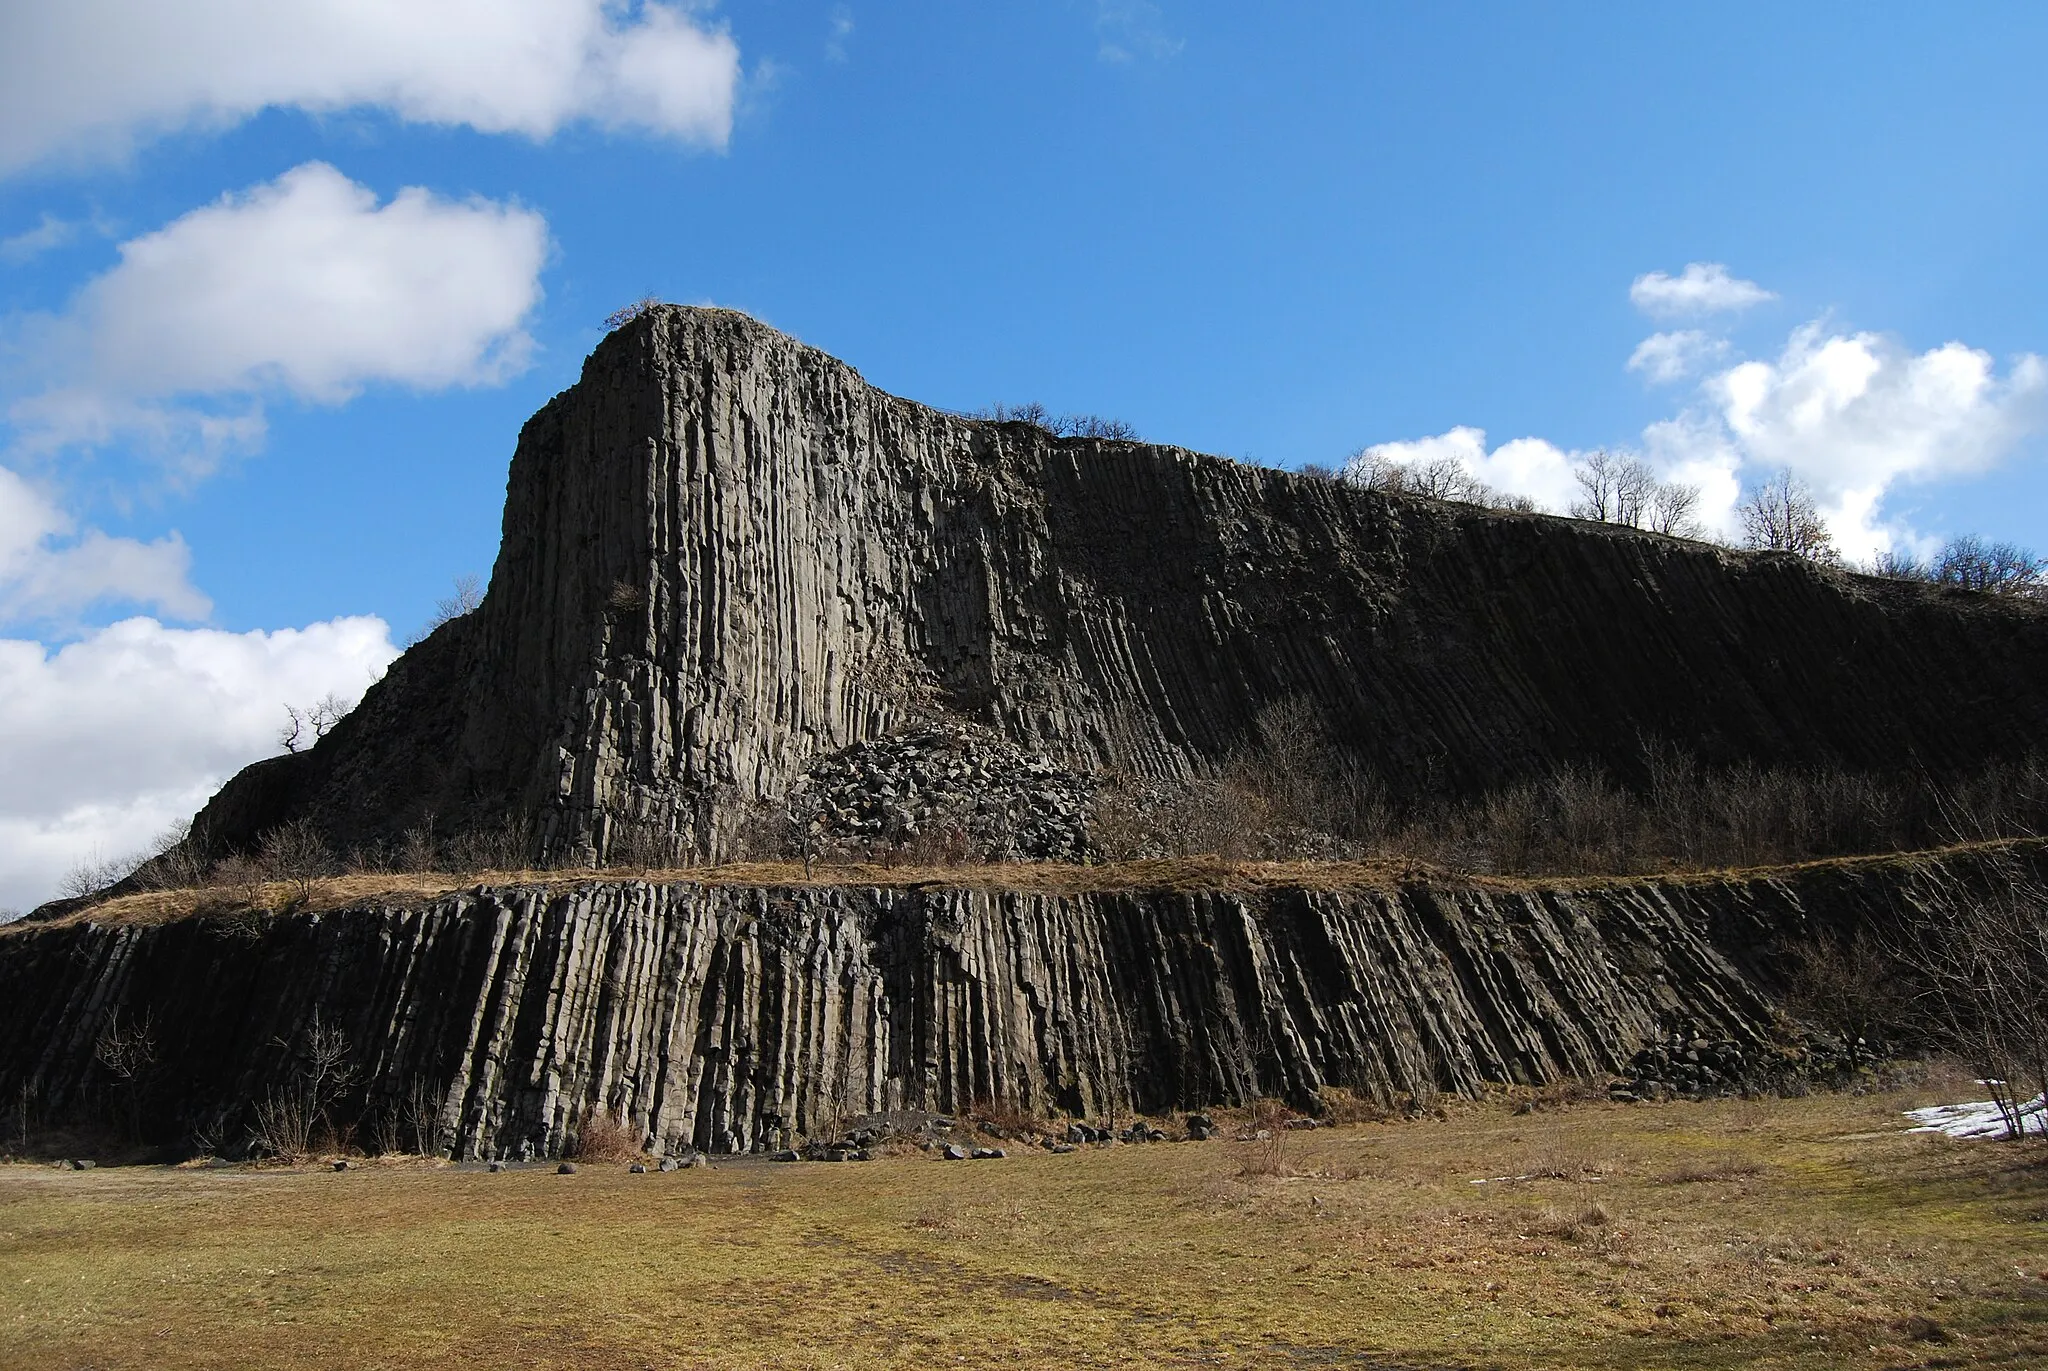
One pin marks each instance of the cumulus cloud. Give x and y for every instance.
(1702, 288)
(1853, 415)
(93, 78)
(841, 21)
(133, 727)
(304, 286)
(50, 570)
(1665, 357)
(1522, 466)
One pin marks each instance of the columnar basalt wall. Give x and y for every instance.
(733, 1018)
(725, 553)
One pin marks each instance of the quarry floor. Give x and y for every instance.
(1780, 1233)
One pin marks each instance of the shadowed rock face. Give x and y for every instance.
(724, 554)
(722, 1018)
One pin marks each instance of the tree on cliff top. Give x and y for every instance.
(1781, 516)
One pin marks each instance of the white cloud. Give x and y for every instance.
(304, 286)
(135, 726)
(92, 78)
(50, 571)
(1522, 466)
(1853, 415)
(1665, 357)
(1702, 288)
(842, 29)
(51, 232)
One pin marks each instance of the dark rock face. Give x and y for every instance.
(734, 1019)
(725, 555)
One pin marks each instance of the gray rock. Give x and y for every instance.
(341, 1165)
(566, 1169)
(497, 1166)
(953, 1152)
(637, 1169)
(786, 1155)
(83, 1163)
(670, 1164)
(984, 1154)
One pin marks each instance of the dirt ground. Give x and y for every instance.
(1781, 1233)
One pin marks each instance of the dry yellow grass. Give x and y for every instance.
(1795, 1234)
(1180, 874)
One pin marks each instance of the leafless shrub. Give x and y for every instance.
(423, 1117)
(128, 1053)
(1316, 471)
(1264, 1140)
(1848, 985)
(295, 851)
(467, 598)
(504, 845)
(1898, 565)
(94, 874)
(319, 1072)
(417, 850)
(645, 846)
(605, 1137)
(177, 859)
(646, 304)
(1058, 425)
(1574, 1225)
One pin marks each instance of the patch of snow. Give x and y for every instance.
(1980, 1119)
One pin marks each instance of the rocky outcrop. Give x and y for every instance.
(725, 556)
(729, 1018)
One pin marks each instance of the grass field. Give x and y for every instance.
(1797, 1233)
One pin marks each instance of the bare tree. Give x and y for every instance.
(317, 720)
(1440, 478)
(1979, 959)
(1781, 516)
(1672, 510)
(1970, 563)
(1615, 488)
(468, 597)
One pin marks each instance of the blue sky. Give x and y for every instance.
(1276, 232)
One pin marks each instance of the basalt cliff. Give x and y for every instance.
(725, 556)
(734, 1018)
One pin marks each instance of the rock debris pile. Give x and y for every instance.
(1685, 1066)
(949, 785)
